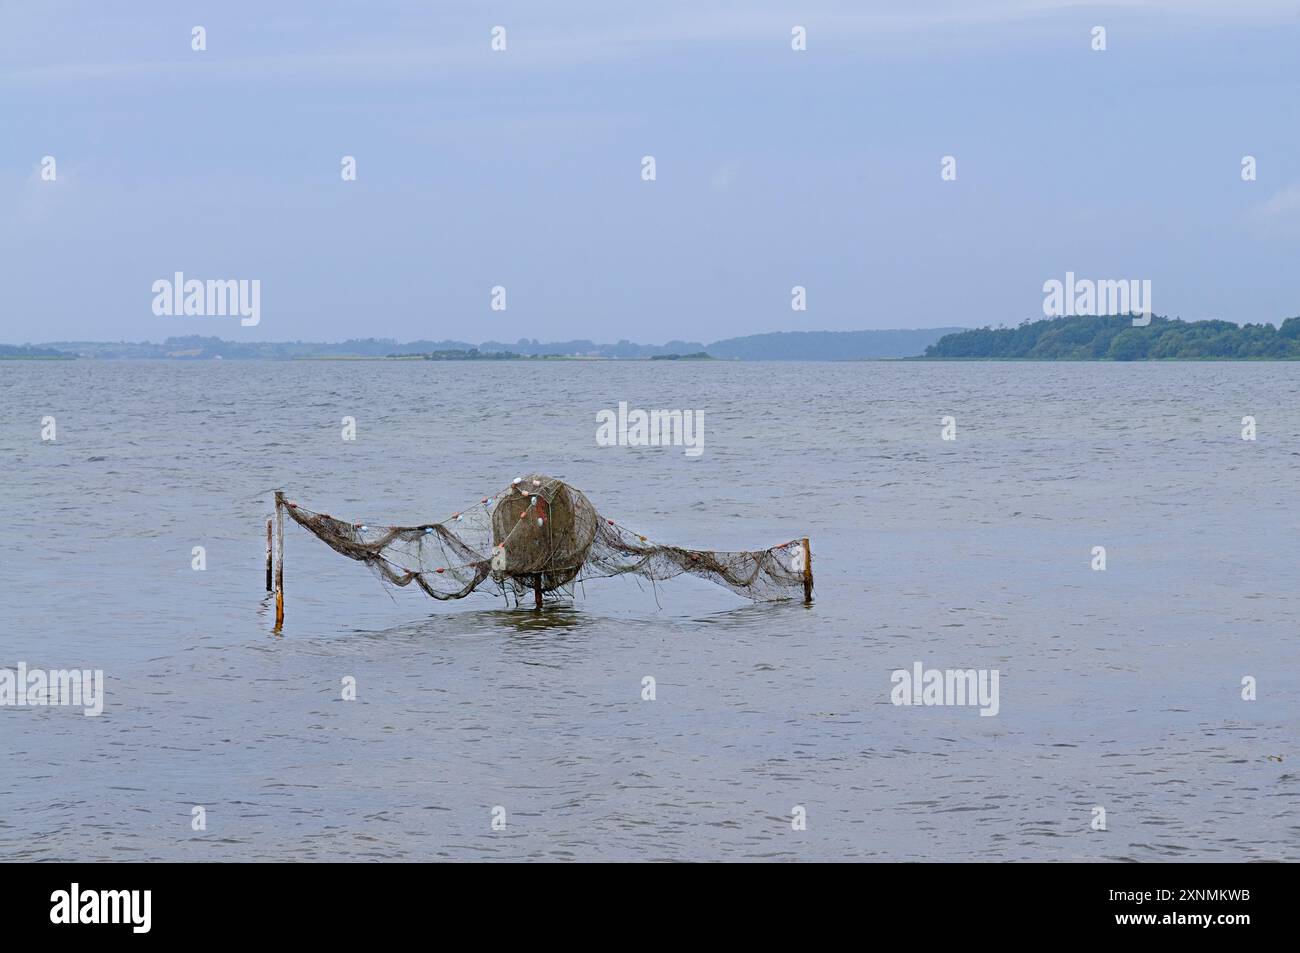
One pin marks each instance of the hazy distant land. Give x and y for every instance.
(1075, 338)
(28, 352)
(777, 346)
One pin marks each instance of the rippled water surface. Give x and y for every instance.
(1119, 689)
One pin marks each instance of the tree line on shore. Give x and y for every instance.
(1116, 338)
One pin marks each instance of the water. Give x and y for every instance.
(1119, 689)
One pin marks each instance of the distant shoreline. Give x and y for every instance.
(778, 345)
(1100, 338)
(516, 359)
(566, 359)
(1122, 338)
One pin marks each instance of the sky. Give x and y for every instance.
(522, 168)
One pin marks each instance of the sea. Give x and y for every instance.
(1117, 542)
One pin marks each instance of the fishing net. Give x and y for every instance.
(543, 536)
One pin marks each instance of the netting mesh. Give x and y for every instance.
(541, 535)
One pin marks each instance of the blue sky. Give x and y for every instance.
(522, 168)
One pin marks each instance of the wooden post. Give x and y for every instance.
(279, 561)
(269, 559)
(537, 590)
(807, 572)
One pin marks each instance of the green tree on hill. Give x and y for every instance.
(1116, 338)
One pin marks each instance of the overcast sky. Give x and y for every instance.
(522, 168)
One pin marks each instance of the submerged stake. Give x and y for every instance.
(279, 561)
(807, 572)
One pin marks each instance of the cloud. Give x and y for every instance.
(1278, 215)
(591, 32)
(724, 176)
(39, 199)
